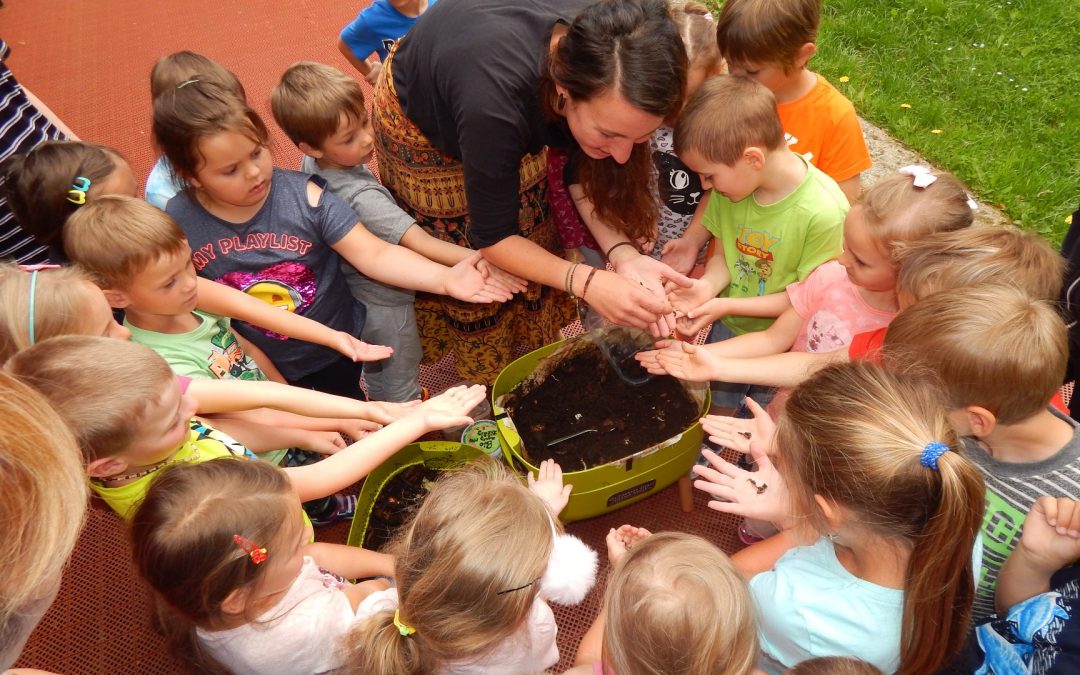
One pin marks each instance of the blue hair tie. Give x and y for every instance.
(33, 289)
(930, 453)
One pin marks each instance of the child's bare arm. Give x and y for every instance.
(682, 253)
(1050, 541)
(362, 457)
(851, 187)
(761, 557)
(227, 301)
(350, 562)
(260, 438)
(361, 65)
(446, 253)
(699, 364)
(224, 396)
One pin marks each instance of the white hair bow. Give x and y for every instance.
(922, 175)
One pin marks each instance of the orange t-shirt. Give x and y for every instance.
(867, 346)
(822, 126)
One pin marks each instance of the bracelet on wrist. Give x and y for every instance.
(607, 256)
(588, 280)
(569, 282)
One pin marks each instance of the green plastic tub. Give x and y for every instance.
(432, 454)
(602, 489)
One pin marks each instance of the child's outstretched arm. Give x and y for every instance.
(1050, 541)
(682, 253)
(738, 433)
(350, 562)
(227, 301)
(548, 486)
(715, 279)
(446, 253)
(765, 306)
(761, 494)
(398, 266)
(341, 470)
(223, 396)
(776, 339)
(682, 360)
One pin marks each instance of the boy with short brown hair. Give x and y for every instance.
(775, 216)
(1001, 356)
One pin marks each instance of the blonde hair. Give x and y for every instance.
(310, 100)
(854, 434)
(698, 32)
(896, 210)
(978, 255)
(115, 238)
(835, 665)
(993, 346)
(467, 573)
(42, 503)
(59, 304)
(182, 540)
(676, 605)
(767, 31)
(179, 67)
(100, 386)
(749, 118)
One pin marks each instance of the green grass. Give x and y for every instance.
(992, 85)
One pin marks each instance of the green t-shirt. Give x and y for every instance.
(768, 247)
(210, 351)
(202, 443)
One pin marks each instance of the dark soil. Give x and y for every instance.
(398, 500)
(583, 390)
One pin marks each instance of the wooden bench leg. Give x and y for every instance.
(686, 494)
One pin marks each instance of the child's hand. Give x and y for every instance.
(622, 540)
(682, 360)
(373, 74)
(465, 282)
(761, 494)
(450, 408)
(548, 485)
(358, 350)
(679, 254)
(683, 300)
(500, 277)
(385, 412)
(650, 359)
(356, 429)
(701, 316)
(1051, 536)
(322, 442)
(737, 433)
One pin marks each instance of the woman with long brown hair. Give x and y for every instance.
(468, 102)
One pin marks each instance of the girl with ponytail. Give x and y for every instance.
(868, 464)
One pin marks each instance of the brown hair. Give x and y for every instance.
(116, 237)
(59, 301)
(182, 540)
(310, 100)
(749, 119)
(178, 67)
(698, 32)
(184, 116)
(766, 31)
(676, 605)
(100, 386)
(896, 210)
(854, 434)
(478, 533)
(978, 255)
(36, 184)
(633, 48)
(835, 665)
(42, 505)
(992, 345)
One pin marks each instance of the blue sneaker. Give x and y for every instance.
(341, 507)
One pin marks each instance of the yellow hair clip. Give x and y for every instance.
(404, 629)
(79, 188)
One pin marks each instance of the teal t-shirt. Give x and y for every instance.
(768, 247)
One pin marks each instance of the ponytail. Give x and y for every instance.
(879, 444)
(939, 587)
(385, 649)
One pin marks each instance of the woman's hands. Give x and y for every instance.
(655, 277)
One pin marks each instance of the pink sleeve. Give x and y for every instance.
(805, 295)
(183, 382)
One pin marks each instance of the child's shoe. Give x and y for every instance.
(335, 508)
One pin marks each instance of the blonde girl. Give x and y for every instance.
(274, 233)
(47, 184)
(674, 605)
(42, 504)
(474, 569)
(869, 465)
(225, 547)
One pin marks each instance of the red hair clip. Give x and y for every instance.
(256, 553)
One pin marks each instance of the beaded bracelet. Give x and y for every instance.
(588, 280)
(607, 256)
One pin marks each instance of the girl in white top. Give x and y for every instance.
(474, 570)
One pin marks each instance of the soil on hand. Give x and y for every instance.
(583, 393)
(398, 500)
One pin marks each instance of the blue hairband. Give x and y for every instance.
(33, 289)
(930, 454)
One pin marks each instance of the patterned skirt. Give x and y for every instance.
(430, 186)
